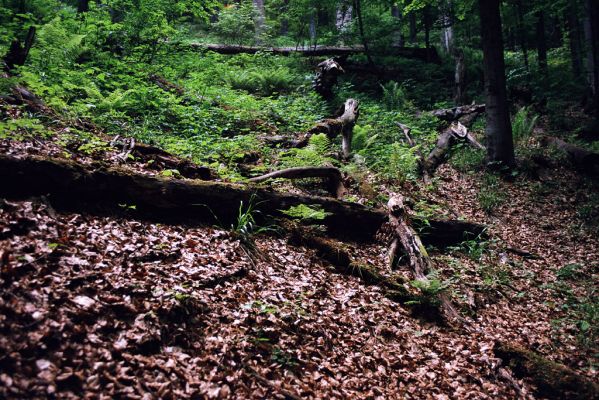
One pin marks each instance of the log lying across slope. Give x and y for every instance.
(70, 185)
(424, 54)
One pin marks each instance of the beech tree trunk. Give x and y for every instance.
(446, 19)
(500, 145)
(260, 19)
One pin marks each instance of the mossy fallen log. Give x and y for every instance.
(96, 188)
(553, 380)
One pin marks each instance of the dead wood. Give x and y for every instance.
(418, 258)
(72, 186)
(423, 54)
(584, 160)
(338, 256)
(332, 127)
(332, 174)
(326, 77)
(468, 113)
(447, 139)
(553, 380)
(167, 86)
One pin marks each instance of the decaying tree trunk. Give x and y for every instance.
(423, 54)
(460, 113)
(17, 53)
(166, 85)
(326, 77)
(419, 260)
(584, 160)
(74, 186)
(553, 380)
(448, 138)
(332, 127)
(332, 174)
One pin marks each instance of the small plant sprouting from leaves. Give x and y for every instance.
(490, 195)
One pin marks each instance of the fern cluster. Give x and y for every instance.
(315, 154)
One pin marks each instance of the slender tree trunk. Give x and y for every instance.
(413, 28)
(500, 145)
(541, 43)
(398, 38)
(358, 7)
(574, 33)
(312, 28)
(426, 21)
(447, 26)
(284, 20)
(592, 52)
(522, 32)
(260, 19)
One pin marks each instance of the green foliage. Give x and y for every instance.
(236, 23)
(490, 195)
(523, 124)
(306, 212)
(23, 128)
(467, 158)
(316, 153)
(430, 288)
(394, 96)
(262, 82)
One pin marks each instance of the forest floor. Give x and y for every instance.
(110, 307)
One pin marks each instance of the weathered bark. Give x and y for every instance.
(332, 127)
(459, 78)
(419, 261)
(326, 77)
(457, 113)
(584, 160)
(73, 186)
(448, 138)
(428, 55)
(18, 52)
(500, 145)
(332, 174)
(553, 380)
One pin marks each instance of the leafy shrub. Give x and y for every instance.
(235, 24)
(394, 96)
(264, 82)
(306, 212)
(315, 154)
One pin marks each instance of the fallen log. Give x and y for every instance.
(424, 54)
(100, 189)
(553, 380)
(460, 113)
(583, 159)
(332, 127)
(326, 77)
(338, 256)
(418, 258)
(448, 138)
(332, 174)
(167, 86)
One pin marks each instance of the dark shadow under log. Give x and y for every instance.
(553, 380)
(332, 174)
(100, 189)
